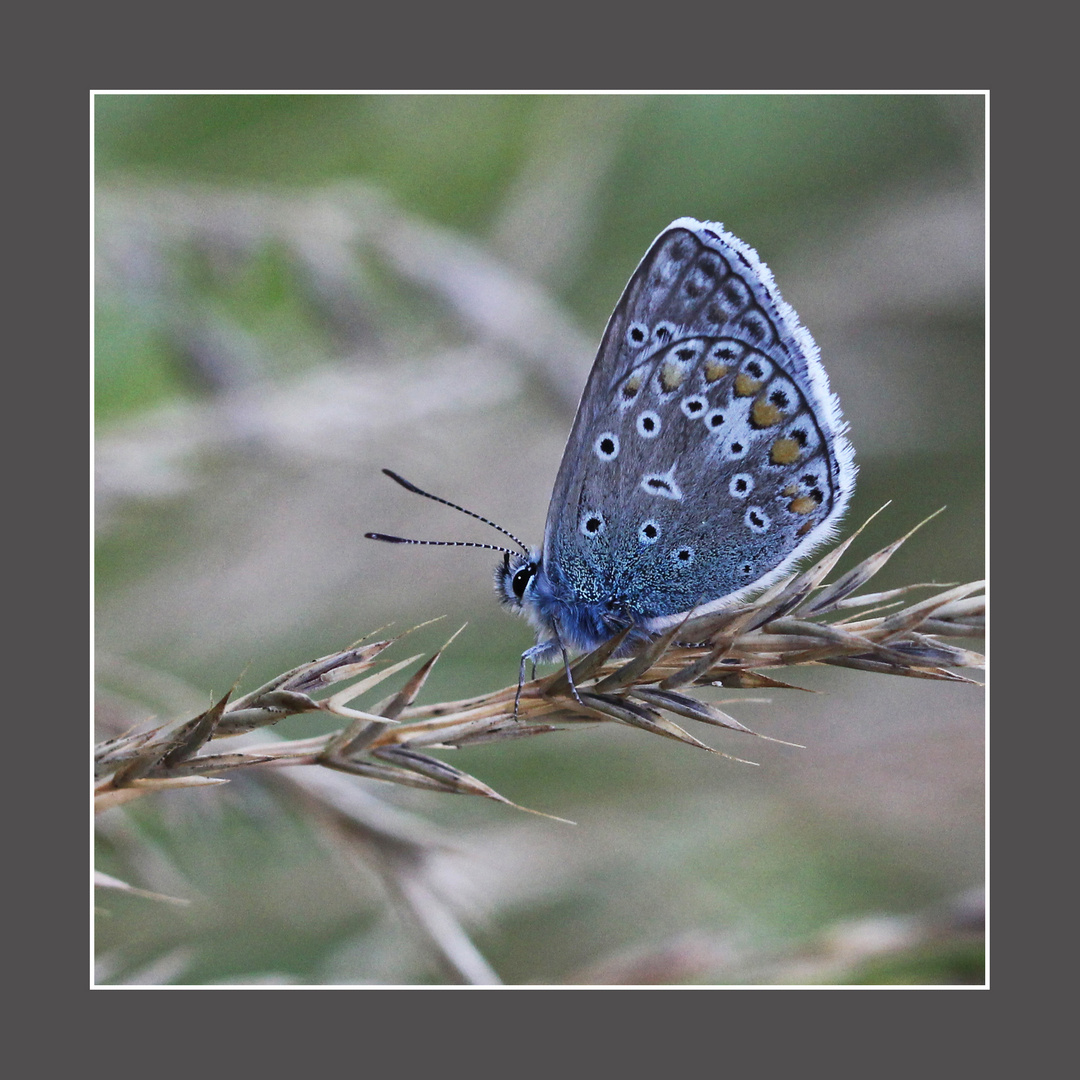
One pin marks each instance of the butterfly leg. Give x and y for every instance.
(521, 680)
(566, 661)
(542, 651)
(569, 674)
(526, 657)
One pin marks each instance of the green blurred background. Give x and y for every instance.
(294, 291)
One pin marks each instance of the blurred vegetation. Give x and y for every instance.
(296, 290)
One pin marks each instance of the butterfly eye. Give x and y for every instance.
(522, 579)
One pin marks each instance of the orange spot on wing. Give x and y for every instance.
(671, 376)
(785, 452)
(745, 386)
(765, 414)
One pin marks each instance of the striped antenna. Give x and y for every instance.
(444, 543)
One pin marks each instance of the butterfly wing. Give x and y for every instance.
(708, 453)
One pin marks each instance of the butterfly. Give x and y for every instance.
(707, 457)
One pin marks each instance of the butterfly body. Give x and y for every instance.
(708, 454)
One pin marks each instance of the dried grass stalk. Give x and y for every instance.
(733, 648)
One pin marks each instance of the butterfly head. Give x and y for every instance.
(515, 578)
(523, 586)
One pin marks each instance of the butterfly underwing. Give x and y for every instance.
(708, 454)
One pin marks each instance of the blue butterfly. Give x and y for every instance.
(707, 457)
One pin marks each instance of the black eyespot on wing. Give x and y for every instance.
(735, 293)
(648, 424)
(757, 520)
(710, 266)
(681, 249)
(755, 327)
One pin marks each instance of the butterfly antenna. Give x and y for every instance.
(453, 506)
